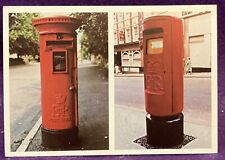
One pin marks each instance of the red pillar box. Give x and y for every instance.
(58, 61)
(163, 77)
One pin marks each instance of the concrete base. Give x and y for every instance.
(164, 131)
(59, 138)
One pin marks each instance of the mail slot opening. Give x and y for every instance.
(59, 61)
(59, 43)
(155, 46)
(153, 31)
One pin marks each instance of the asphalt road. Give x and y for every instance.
(197, 96)
(129, 91)
(24, 82)
(93, 107)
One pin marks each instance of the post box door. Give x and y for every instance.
(72, 59)
(60, 90)
(158, 67)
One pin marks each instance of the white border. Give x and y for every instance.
(214, 86)
(110, 10)
(111, 80)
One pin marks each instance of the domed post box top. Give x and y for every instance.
(60, 24)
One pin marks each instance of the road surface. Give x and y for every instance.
(129, 91)
(24, 101)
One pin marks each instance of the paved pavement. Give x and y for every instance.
(130, 125)
(93, 111)
(130, 113)
(193, 75)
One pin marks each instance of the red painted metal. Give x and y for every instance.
(163, 65)
(58, 58)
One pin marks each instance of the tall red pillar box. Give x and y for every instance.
(163, 80)
(58, 62)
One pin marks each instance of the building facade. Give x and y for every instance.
(127, 34)
(197, 40)
(128, 28)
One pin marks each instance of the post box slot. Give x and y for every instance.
(59, 43)
(153, 31)
(59, 61)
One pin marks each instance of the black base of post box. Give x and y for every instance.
(164, 131)
(59, 138)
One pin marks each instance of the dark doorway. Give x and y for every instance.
(117, 59)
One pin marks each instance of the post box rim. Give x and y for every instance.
(57, 19)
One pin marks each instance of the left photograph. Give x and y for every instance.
(58, 81)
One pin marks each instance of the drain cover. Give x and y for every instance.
(143, 142)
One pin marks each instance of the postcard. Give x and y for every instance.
(110, 80)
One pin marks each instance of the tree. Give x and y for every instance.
(95, 37)
(84, 47)
(23, 38)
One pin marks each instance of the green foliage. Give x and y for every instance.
(95, 34)
(84, 47)
(23, 38)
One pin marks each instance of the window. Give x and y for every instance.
(120, 17)
(121, 37)
(135, 33)
(59, 61)
(198, 38)
(115, 37)
(128, 35)
(155, 46)
(127, 15)
(136, 55)
(125, 55)
(134, 14)
(127, 23)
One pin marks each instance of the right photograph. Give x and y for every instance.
(163, 72)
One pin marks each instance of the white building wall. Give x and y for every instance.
(199, 24)
(198, 39)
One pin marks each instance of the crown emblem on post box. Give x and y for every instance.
(60, 99)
